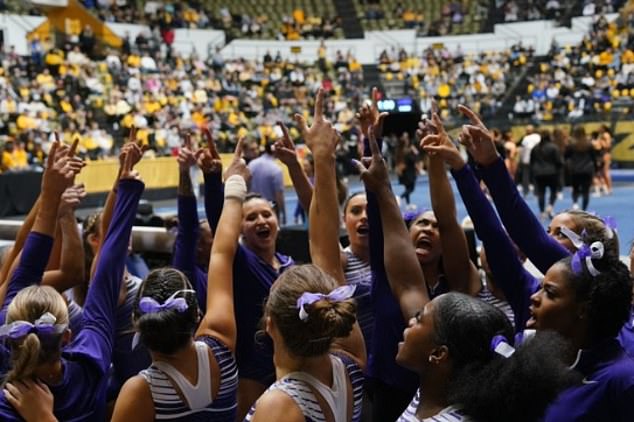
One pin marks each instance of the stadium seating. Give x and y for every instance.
(427, 16)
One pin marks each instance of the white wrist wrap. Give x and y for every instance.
(235, 187)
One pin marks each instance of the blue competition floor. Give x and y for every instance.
(618, 205)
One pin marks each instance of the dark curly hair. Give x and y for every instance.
(609, 294)
(486, 385)
(166, 331)
(326, 320)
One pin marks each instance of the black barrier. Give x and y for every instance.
(18, 192)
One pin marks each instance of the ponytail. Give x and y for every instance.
(25, 357)
(518, 387)
(29, 308)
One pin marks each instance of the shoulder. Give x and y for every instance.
(134, 401)
(278, 406)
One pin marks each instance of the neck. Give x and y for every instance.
(433, 389)
(286, 362)
(431, 273)
(51, 373)
(181, 355)
(361, 251)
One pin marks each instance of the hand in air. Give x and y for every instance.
(369, 116)
(71, 198)
(238, 166)
(284, 148)
(208, 158)
(61, 168)
(477, 139)
(438, 143)
(133, 147)
(321, 137)
(373, 171)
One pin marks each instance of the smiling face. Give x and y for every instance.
(554, 306)
(554, 230)
(356, 221)
(426, 238)
(259, 225)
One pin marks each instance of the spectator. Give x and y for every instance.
(268, 181)
(546, 166)
(530, 140)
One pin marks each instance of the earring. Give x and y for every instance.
(430, 359)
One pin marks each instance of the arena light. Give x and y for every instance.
(386, 105)
(54, 3)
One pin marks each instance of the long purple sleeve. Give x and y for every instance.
(508, 272)
(388, 321)
(214, 199)
(35, 255)
(522, 225)
(184, 258)
(96, 339)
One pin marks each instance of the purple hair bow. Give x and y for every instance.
(337, 295)
(501, 346)
(43, 325)
(610, 223)
(147, 305)
(586, 254)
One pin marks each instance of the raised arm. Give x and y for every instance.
(323, 216)
(107, 213)
(323, 228)
(59, 173)
(522, 224)
(97, 336)
(219, 320)
(70, 271)
(184, 257)
(404, 273)
(461, 273)
(210, 163)
(286, 153)
(509, 274)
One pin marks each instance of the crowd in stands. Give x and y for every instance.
(455, 77)
(429, 18)
(159, 93)
(593, 77)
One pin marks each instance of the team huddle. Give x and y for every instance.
(400, 325)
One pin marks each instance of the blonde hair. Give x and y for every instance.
(29, 352)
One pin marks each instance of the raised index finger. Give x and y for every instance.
(52, 153)
(187, 140)
(73, 148)
(375, 98)
(238, 152)
(286, 138)
(374, 146)
(132, 135)
(319, 105)
(210, 143)
(469, 114)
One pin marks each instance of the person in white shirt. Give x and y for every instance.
(529, 141)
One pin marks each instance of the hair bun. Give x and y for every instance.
(329, 319)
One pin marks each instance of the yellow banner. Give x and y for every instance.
(99, 176)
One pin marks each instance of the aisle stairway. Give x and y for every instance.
(349, 20)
